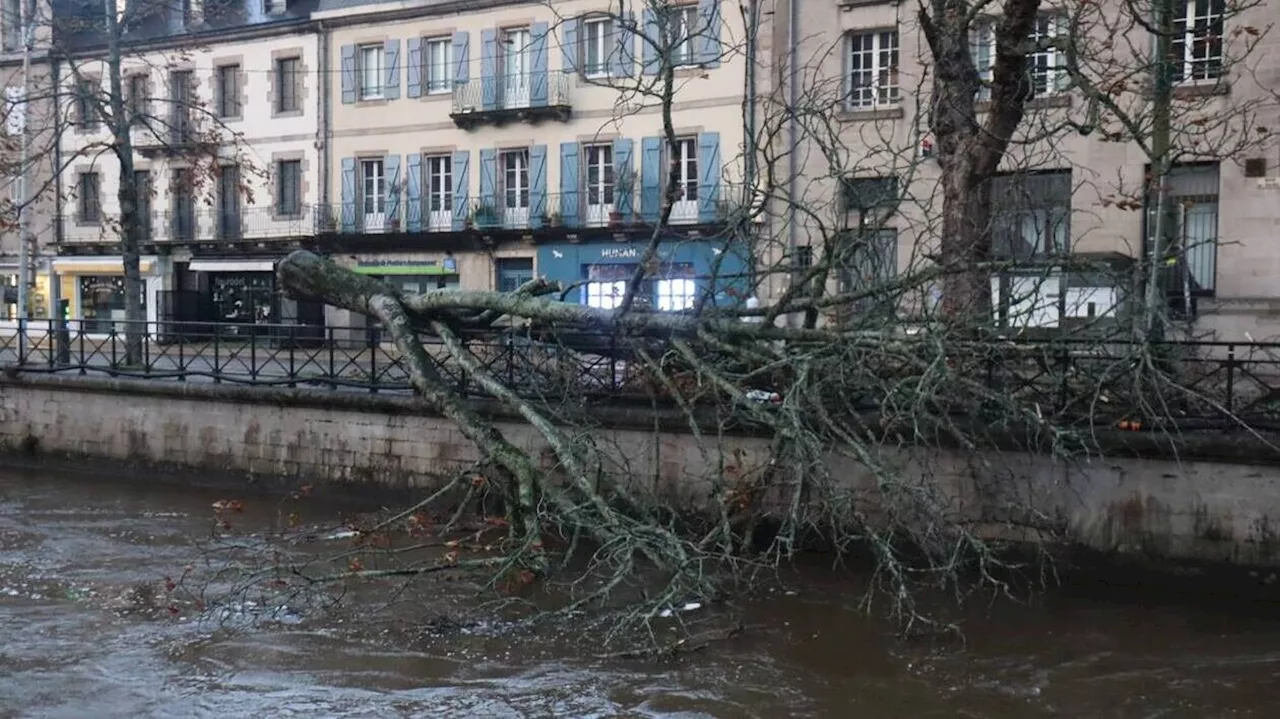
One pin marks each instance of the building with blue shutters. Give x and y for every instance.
(508, 140)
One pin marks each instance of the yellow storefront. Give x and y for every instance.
(94, 289)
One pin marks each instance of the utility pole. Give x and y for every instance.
(24, 214)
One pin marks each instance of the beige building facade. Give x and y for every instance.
(478, 145)
(1077, 192)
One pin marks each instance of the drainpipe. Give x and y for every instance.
(752, 150)
(793, 128)
(325, 131)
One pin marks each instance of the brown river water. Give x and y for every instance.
(72, 644)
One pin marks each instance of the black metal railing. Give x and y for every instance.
(204, 225)
(512, 92)
(613, 208)
(1213, 384)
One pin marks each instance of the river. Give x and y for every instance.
(73, 547)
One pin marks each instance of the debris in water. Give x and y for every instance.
(342, 534)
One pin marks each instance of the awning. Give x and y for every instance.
(232, 266)
(98, 265)
(403, 270)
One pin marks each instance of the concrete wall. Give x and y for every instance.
(1194, 510)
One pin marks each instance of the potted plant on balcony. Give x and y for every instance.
(624, 186)
(486, 215)
(555, 220)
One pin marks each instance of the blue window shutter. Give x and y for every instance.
(489, 69)
(348, 74)
(651, 39)
(537, 184)
(348, 212)
(651, 179)
(569, 44)
(709, 26)
(391, 72)
(392, 164)
(413, 193)
(414, 70)
(569, 184)
(624, 199)
(489, 179)
(624, 53)
(461, 57)
(708, 176)
(538, 64)
(461, 185)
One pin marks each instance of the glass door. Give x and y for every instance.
(374, 195)
(515, 188)
(599, 184)
(439, 193)
(516, 65)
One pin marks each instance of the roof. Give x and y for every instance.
(79, 25)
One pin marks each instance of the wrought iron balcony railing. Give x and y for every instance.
(500, 97)
(204, 225)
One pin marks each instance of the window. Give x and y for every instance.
(1046, 68)
(373, 195)
(516, 54)
(182, 190)
(515, 187)
(682, 34)
(142, 181)
(437, 56)
(439, 182)
(677, 290)
(513, 272)
(12, 25)
(873, 69)
(289, 188)
(228, 91)
(869, 200)
(228, 202)
(87, 104)
(182, 128)
(1030, 214)
(89, 198)
(136, 98)
(288, 79)
(606, 285)
(869, 261)
(370, 72)
(1192, 239)
(600, 183)
(1197, 39)
(596, 41)
(684, 157)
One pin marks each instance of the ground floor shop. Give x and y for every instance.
(682, 272)
(94, 289)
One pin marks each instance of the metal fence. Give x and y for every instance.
(1176, 384)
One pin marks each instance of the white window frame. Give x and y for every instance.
(369, 71)
(1197, 30)
(682, 29)
(599, 159)
(674, 295)
(439, 203)
(600, 43)
(606, 295)
(378, 195)
(876, 54)
(684, 152)
(1047, 68)
(437, 66)
(514, 187)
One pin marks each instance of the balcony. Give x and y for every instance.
(250, 225)
(517, 213)
(499, 100)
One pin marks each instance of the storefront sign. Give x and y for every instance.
(406, 267)
(619, 253)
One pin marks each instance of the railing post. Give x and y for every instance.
(217, 372)
(1231, 377)
(80, 336)
(22, 341)
(182, 363)
(371, 339)
(253, 355)
(333, 383)
(293, 372)
(112, 338)
(146, 348)
(64, 333)
(52, 339)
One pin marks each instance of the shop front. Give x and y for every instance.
(683, 271)
(94, 288)
(39, 303)
(238, 296)
(408, 275)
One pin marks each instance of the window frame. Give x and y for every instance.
(885, 54)
(437, 166)
(1211, 67)
(288, 83)
(89, 203)
(381, 187)
(683, 50)
(363, 91)
(286, 206)
(227, 88)
(88, 118)
(520, 171)
(136, 86)
(602, 46)
(1046, 81)
(432, 85)
(1050, 212)
(607, 186)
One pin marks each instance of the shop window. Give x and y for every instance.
(244, 297)
(414, 284)
(513, 272)
(102, 302)
(677, 289)
(606, 285)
